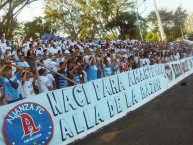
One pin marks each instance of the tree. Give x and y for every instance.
(66, 15)
(38, 27)
(179, 18)
(4, 3)
(189, 24)
(81, 18)
(125, 23)
(172, 21)
(11, 9)
(166, 17)
(151, 36)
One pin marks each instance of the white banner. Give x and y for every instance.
(62, 116)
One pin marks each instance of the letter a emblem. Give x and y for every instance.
(28, 125)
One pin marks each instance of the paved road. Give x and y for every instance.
(166, 120)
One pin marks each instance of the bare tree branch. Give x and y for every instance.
(4, 4)
(21, 8)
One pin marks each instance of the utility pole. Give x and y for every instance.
(159, 22)
(182, 32)
(138, 23)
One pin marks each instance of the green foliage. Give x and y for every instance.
(151, 36)
(37, 27)
(8, 28)
(65, 14)
(82, 18)
(8, 21)
(93, 18)
(189, 24)
(125, 23)
(172, 22)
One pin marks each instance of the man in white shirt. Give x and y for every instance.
(44, 81)
(51, 80)
(25, 85)
(52, 50)
(3, 46)
(87, 54)
(144, 60)
(26, 47)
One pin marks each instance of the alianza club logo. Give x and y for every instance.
(28, 124)
(169, 73)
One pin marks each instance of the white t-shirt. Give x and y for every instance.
(26, 89)
(177, 56)
(20, 43)
(14, 52)
(59, 60)
(23, 64)
(63, 45)
(53, 65)
(52, 51)
(86, 58)
(3, 47)
(144, 62)
(39, 52)
(58, 48)
(51, 79)
(136, 59)
(39, 67)
(25, 50)
(44, 83)
(47, 62)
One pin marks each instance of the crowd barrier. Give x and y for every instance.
(62, 116)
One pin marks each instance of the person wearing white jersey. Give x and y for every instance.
(44, 81)
(25, 85)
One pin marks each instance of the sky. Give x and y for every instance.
(31, 11)
(168, 4)
(36, 8)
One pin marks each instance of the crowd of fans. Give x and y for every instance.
(76, 62)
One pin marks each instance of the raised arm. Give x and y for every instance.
(2, 68)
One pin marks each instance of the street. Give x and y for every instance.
(166, 120)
